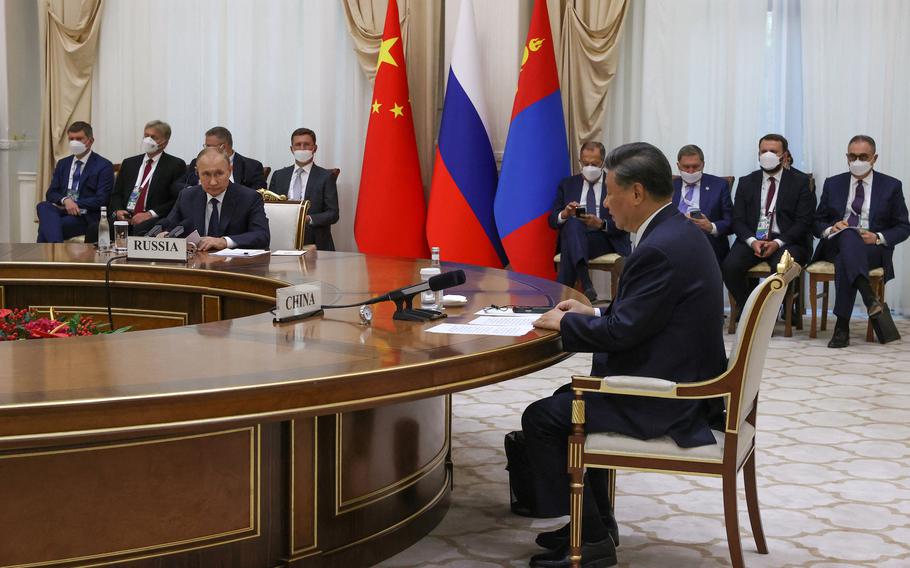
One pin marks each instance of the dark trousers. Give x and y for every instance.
(578, 244)
(55, 225)
(852, 258)
(547, 424)
(741, 258)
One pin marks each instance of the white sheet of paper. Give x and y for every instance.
(518, 320)
(240, 252)
(467, 329)
(288, 252)
(506, 313)
(832, 233)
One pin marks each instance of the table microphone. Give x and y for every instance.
(404, 297)
(183, 227)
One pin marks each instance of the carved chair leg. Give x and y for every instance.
(731, 519)
(824, 325)
(752, 503)
(731, 325)
(813, 303)
(788, 311)
(576, 469)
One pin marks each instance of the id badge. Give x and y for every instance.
(134, 197)
(764, 224)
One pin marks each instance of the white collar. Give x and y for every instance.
(636, 236)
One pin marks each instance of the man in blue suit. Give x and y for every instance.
(861, 217)
(587, 235)
(226, 214)
(81, 185)
(704, 199)
(666, 321)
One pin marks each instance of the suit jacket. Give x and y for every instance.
(95, 184)
(666, 321)
(570, 190)
(161, 195)
(247, 172)
(794, 210)
(715, 203)
(323, 196)
(887, 213)
(242, 215)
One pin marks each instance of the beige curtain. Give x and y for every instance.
(421, 30)
(70, 31)
(588, 54)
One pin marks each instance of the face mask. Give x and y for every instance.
(690, 178)
(591, 173)
(859, 169)
(149, 146)
(303, 156)
(77, 148)
(769, 161)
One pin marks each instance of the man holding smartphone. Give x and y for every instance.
(586, 228)
(704, 199)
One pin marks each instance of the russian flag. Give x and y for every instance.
(536, 156)
(460, 216)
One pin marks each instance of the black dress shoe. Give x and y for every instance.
(591, 294)
(593, 555)
(841, 338)
(560, 537)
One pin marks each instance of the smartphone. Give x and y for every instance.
(579, 211)
(695, 213)
(531, 309)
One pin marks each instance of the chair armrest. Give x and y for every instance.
(626, 385)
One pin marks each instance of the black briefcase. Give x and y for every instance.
(521, 490)
(884, 327)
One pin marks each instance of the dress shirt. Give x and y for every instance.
(765, 185)
(139, 178)
(208, 213)
(231, 158)
(69, 182)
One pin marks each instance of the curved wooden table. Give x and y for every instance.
(215, 437)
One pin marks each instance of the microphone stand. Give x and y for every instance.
(405, 310)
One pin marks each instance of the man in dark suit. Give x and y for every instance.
(144, 189)
(226, 214)
(80, 187)
(587, 235)
(306, 180)
(772, 213)
(245, 171)
(861, 217)
(704, 199)
(666, 321)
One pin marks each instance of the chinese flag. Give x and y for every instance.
(391, 209)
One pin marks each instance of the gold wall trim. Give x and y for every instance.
(176, 546)
(211, 308)
(295, 551)
(346, 506)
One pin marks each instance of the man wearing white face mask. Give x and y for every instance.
(861, 217)
(306, 180)
(703, 198)
(588, 234)
(81, 185)
(772, 213)
(144, 189)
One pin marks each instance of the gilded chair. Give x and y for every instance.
(287, 220)
(735, 448)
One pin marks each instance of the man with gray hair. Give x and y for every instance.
(144, 190)
(666, 321)
(586, 228)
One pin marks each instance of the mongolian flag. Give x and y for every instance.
(391, 209)
(536, 156)
(460, 219)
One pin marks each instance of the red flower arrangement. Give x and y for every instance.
(27, 324)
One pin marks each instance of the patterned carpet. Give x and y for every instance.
(832, 459)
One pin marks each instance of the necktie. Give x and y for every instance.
(856, 208)
(684, 203)
(77, 175)
(591, 201)
(214, 229)
(297, 189)
(772, 187)
(143, 191)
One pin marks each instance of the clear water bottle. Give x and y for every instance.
(104, 232)
(430, 298)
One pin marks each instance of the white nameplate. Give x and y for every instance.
(299, 301)
(153, 248)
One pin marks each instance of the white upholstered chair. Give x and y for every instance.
(287, 223)
(735, 448)
(610, 262)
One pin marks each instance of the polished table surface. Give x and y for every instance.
(249, 367)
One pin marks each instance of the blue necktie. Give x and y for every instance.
(856, 208)
(214, 229)
(684, 202)
(591, 201)
(77, 175)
